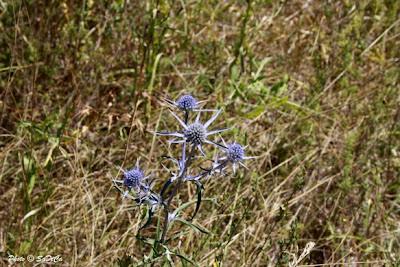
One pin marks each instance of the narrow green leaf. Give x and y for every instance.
(185, 258)
(198, 191)
(256, 112)
(32, 180)
(193, 226)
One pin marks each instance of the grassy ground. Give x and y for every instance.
(311, 86)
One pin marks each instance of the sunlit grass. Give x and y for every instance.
(312, 87)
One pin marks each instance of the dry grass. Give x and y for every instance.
(311, 86)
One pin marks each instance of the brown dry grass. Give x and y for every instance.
(311, 86)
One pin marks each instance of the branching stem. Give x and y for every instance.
(175, 190)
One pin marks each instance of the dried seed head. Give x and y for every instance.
(186, 102)
(195, 133)
(133, 177)
(235, 152)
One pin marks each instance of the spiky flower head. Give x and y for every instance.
(235, 152)
(133, 177)
(195, 133)
(186, 103)
(234, 155)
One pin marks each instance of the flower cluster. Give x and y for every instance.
(193, 136)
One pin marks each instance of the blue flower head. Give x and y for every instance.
(196, 133)
(186, 103)
(234, 155)
(235, 152)
(133, 178)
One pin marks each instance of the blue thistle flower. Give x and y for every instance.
(196, 133)
(235, 152)
(133, 177)
(186, 103)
